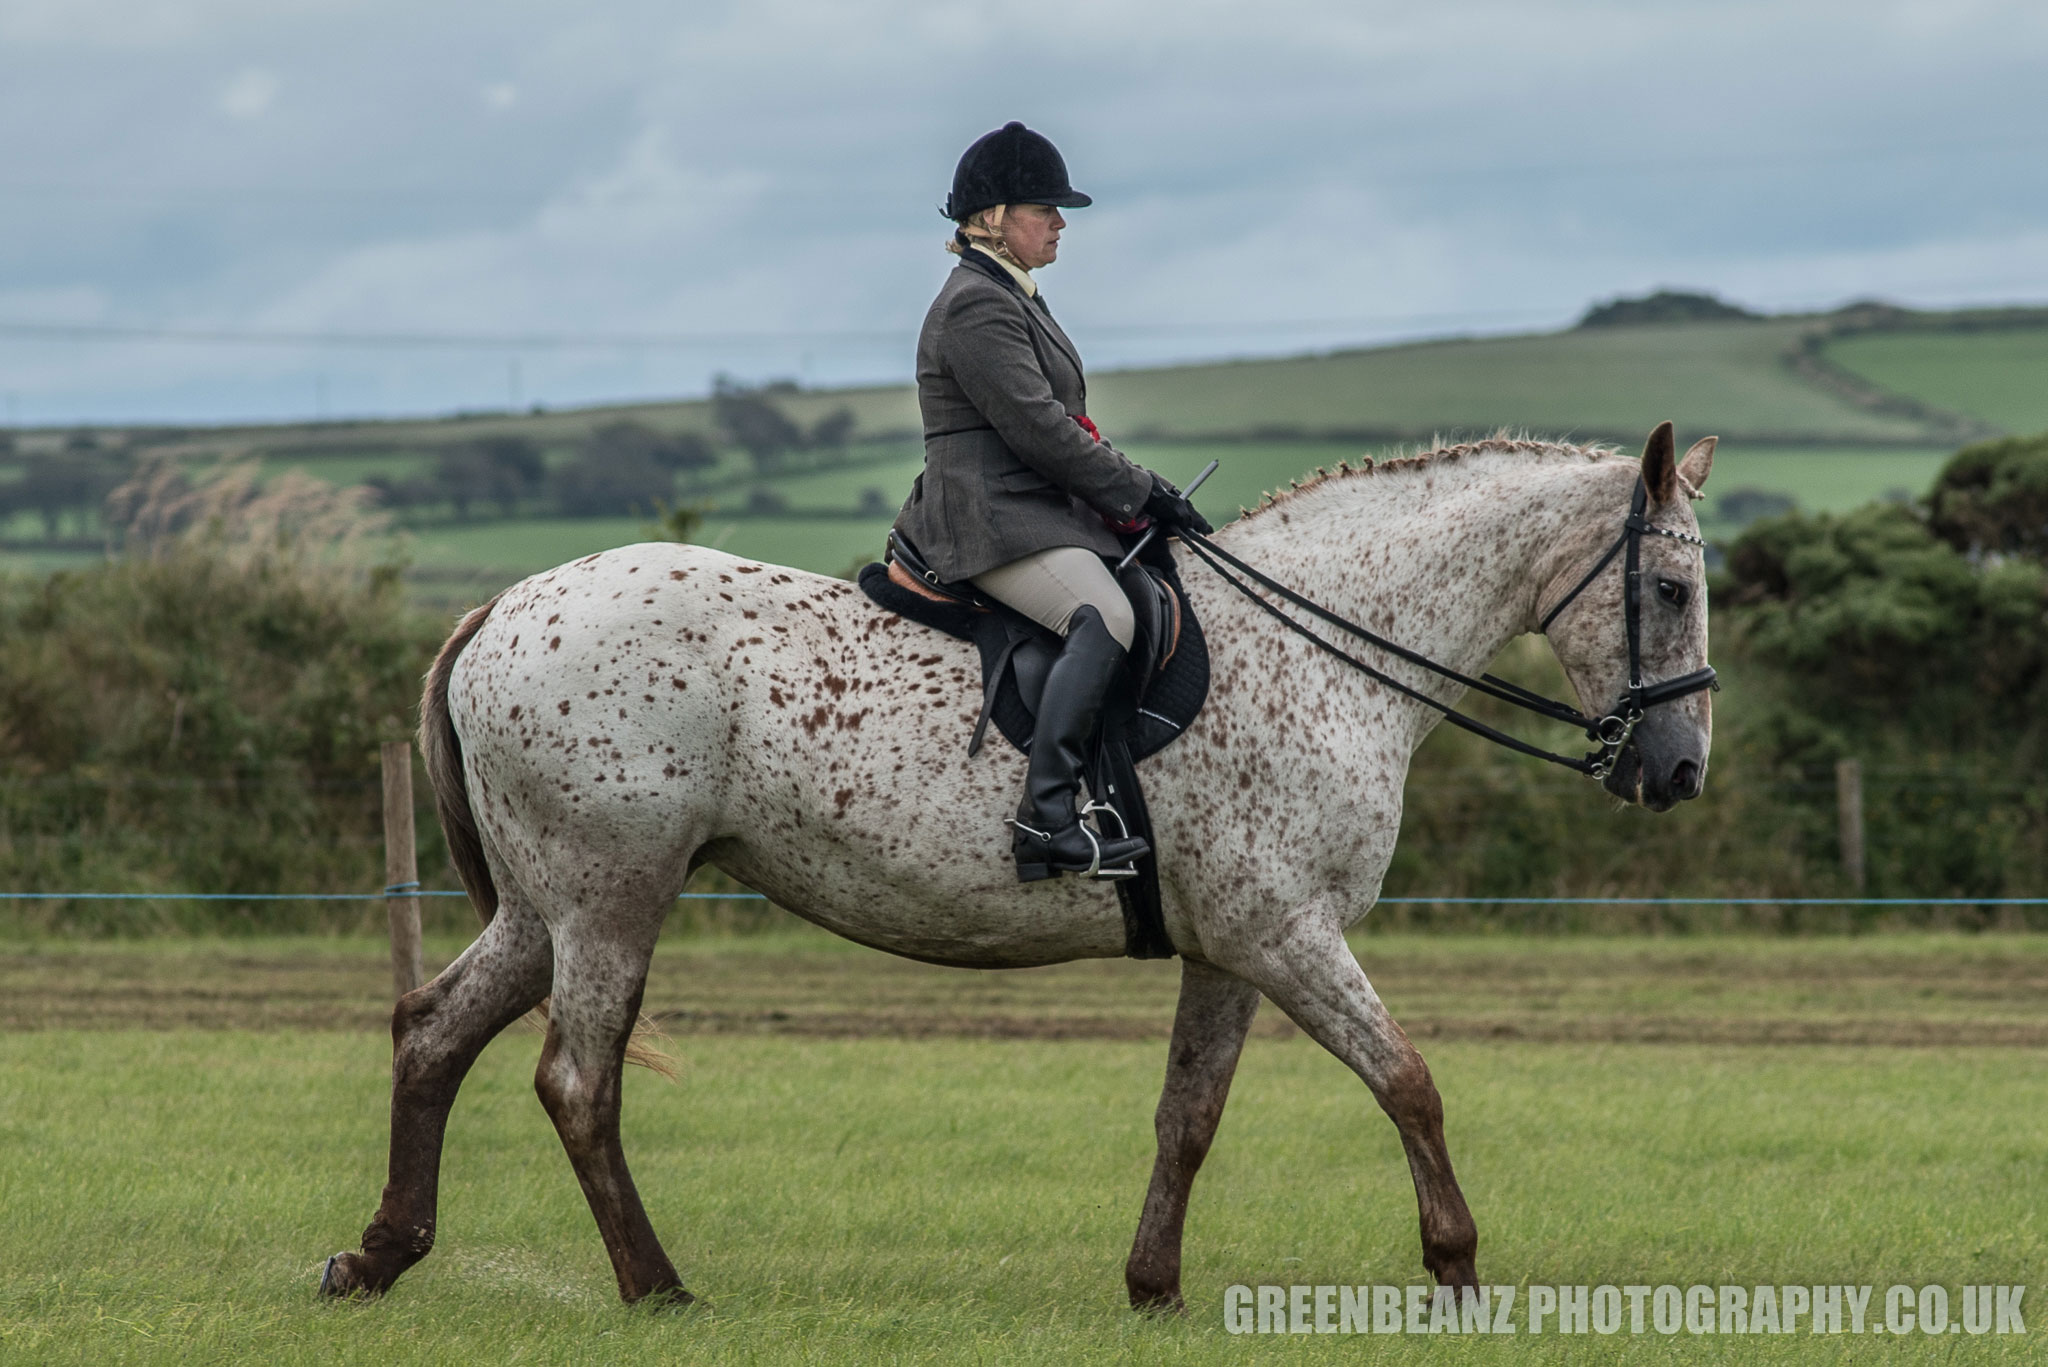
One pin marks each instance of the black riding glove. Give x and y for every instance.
(1170, 508)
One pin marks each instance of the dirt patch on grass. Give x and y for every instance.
(1923, 992)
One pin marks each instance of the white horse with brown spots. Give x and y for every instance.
(600, 730)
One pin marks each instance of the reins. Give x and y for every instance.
(1611, 732)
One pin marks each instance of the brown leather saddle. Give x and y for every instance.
(1159, 697)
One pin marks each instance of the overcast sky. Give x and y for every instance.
(758, 181)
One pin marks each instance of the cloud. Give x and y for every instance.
(773, 166)
(248, 93)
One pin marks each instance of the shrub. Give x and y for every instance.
(1993, 497)
(607, 484)
(204, 713)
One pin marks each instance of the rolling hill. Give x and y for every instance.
(1826, 410)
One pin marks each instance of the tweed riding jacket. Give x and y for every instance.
(1007, 470)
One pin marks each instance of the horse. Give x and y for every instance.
(597, 732)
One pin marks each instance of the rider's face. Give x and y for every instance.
(1032, 234)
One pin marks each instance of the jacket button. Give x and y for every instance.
(1127, 507)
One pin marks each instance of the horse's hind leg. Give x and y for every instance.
(599, 981)
(1311, 974)
(437, 1032)
(1209, 1027)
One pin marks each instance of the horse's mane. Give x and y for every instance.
(1500, 443)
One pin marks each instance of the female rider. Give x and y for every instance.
(1019, 493)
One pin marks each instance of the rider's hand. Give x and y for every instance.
(1170, 509)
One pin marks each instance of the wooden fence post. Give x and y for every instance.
(401, 868)
(1849, 811)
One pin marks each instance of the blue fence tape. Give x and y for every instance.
(400, 891)
(413, 890)
(1715, 901)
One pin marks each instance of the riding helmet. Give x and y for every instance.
(1012, 165)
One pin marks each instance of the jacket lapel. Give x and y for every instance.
(1038, 310)
(1034, 309)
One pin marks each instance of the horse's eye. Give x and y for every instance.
(1673, 592)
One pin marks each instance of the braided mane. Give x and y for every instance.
(1503, 443)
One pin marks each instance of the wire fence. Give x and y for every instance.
(1425, 901)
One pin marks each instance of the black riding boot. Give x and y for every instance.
(1051, 836)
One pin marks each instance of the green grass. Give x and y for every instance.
(2000, 376)
(1616, 382)
(1830, 480)
(948, 1200)
(1820, 479)
(345, 470)
(501, 552)
(787, 977)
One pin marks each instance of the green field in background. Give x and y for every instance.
(1724, 378)
(954, 1200)
(1824, 479)
(2000, 375)
(1706, 377)
(482, 556)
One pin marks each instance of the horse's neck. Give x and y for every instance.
(1448, 562)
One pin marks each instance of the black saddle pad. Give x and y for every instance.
(1149, 713)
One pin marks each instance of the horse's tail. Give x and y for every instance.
(441, 749)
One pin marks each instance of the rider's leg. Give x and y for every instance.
(1070, 591)
(1047, 587)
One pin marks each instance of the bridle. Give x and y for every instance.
(1611, 733)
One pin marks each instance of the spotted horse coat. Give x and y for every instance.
(600, 730)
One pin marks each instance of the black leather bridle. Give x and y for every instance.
(1611, 733)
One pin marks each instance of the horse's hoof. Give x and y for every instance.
(1160, 1306)
(327, 1275)
(338, 1281)
(1457, 1275)
(673, 1300)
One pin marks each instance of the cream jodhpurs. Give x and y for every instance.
(1049, 585)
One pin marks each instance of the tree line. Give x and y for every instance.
(619, 468)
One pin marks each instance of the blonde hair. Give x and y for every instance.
(984, 227)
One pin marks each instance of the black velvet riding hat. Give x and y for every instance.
(1012, 165)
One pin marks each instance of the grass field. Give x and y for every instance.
(1613, 382)
(477, 559)
(1782, 434)
(494, 553)
(877, 1184)
(2000, 376)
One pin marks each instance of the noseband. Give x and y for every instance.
(1611, 733)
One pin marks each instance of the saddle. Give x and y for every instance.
(1161, 694)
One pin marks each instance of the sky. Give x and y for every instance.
(229, 210)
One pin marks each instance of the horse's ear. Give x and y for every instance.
(1660, 464)
(1697, 465)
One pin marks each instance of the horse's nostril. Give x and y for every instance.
(1685, 779)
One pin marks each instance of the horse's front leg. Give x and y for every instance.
(1311, 974)
(1209, 1027)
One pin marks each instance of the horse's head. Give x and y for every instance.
(1665, 760)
